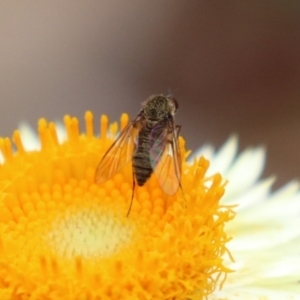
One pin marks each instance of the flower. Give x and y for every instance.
(65, 237)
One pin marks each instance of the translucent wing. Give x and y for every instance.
(119, 153)
(165, 156)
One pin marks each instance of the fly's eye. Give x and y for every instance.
(175, 102)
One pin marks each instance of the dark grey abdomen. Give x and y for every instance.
(141, 158)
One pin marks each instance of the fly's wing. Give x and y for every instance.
(119, 153)
(165, 156)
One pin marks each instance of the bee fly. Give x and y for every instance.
(150, 141)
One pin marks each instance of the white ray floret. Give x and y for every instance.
(30, 139)
(266, 230)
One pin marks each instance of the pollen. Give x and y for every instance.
(62, 236)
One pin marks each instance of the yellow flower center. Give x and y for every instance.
(64, 237)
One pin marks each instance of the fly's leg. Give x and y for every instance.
(178, 128)
(131, 200)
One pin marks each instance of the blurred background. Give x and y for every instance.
(234, 67)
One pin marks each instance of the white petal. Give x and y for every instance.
(61, 132)
(223, 159)
(266, 230)
(1, 158)
(29, 137)
(242, 171)
(257, 236)
(253, 196)
(285, 201)
(207, 151)
(255, 293)
(245, 171)
(282, 205)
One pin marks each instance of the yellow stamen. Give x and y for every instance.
(64, 237)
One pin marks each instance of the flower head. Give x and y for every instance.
(65, 237)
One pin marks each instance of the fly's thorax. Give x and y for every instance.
(150, 124)
(157, 108)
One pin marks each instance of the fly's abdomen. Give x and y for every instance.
(141, 159)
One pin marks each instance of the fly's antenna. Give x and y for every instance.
(171, 92)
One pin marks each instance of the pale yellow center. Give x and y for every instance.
(88, 233)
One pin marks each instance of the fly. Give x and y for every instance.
(150, 142)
